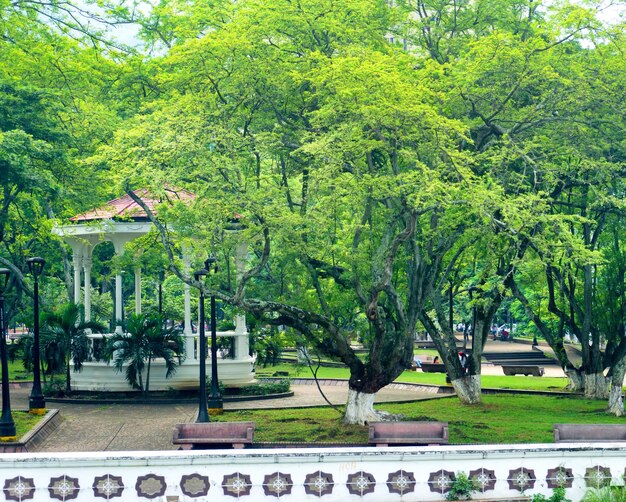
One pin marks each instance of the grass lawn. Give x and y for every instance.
(500, 419)
(17, 372)
(24, 422)
(488, 381)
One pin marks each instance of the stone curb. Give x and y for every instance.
(32, 439)
(226, 399)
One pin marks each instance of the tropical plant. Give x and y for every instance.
(146, 339)
(462, 487)
(66, 330)
(606, 494)
(558, 495)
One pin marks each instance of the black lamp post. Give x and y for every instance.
(470, 291)
(216, 404)
(36, 401)
(7, 425)
(161, 279)
(203, 412)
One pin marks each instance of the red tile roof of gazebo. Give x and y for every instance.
(126, 208)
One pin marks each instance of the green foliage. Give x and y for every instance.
(268, 344)
(558, 495)
(605, 494)
(145, 339)
(265, 388)
(462, 487)
(64, 339)
(54, 388)
(480, 148)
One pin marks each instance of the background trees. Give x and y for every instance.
(383, 164)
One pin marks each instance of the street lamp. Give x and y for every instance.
(216, 404)
(470, 291)
(203, 412)
(36, 401)
(7, 425)
(161, 279)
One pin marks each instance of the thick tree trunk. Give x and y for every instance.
(575, 380)
(68, 384)
(596, 386)
(468, 389)
(360, 408)
(616, 402)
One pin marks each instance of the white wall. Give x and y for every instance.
(167, 475)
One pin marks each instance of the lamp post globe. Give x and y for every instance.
(7, 425)
(203, 412)
(216, 403)
(36, 401)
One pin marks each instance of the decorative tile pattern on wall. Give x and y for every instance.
(559, 477)
(597, 476)
(361, 483)
(521, 479)
(108, 486)
(19, 488)
(236, 484)
(277, 484)
(195, 485)
(441, 481)
(150, 486)
(401, 482)
(318, 483)
(63, 488)
(484, 478)
(396, 484)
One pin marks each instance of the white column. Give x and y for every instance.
(118, 244)
(77, 261)
(87, 262)
(242, 345)
(138, 290)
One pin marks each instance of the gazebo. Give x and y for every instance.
(120, 221)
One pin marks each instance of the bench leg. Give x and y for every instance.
(382, 445)
(185, 447)
(238, 446)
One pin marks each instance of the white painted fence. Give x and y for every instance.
(404, 474)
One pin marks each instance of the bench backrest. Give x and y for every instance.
(408, 430)
(225, 430)
(590, 432)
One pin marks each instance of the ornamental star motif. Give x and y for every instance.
(320, 483)
(238, 485)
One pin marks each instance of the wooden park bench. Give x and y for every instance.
(208, 435)
(523, 370)
(408, 433)
(433, 368)
(589, 433)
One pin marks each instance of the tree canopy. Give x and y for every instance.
(382, 163)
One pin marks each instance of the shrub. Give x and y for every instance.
(265, 388)
(558, 495)
(606, 494)
(54, 388)
(462, 487)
